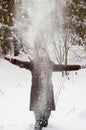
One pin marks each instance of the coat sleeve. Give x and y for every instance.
(57, 67)
(21, 64)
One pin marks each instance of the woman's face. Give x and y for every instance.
(41, 53)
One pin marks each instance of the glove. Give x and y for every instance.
(10, 60)
(6, 58)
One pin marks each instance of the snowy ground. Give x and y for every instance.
(14, 100)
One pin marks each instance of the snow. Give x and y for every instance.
(15, 85)
(39, 24)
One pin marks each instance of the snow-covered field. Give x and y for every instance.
(15, 94)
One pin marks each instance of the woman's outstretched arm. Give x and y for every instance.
(57, 67)
(21, 64)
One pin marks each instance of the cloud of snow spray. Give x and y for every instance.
(38, 22)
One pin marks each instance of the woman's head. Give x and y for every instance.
(41, 52)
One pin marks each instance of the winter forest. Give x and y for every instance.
(59, 26)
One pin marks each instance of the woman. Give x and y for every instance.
(42, 96)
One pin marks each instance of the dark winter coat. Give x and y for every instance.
(42, 96)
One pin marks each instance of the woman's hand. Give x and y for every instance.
(11, 60)
(6, 58)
